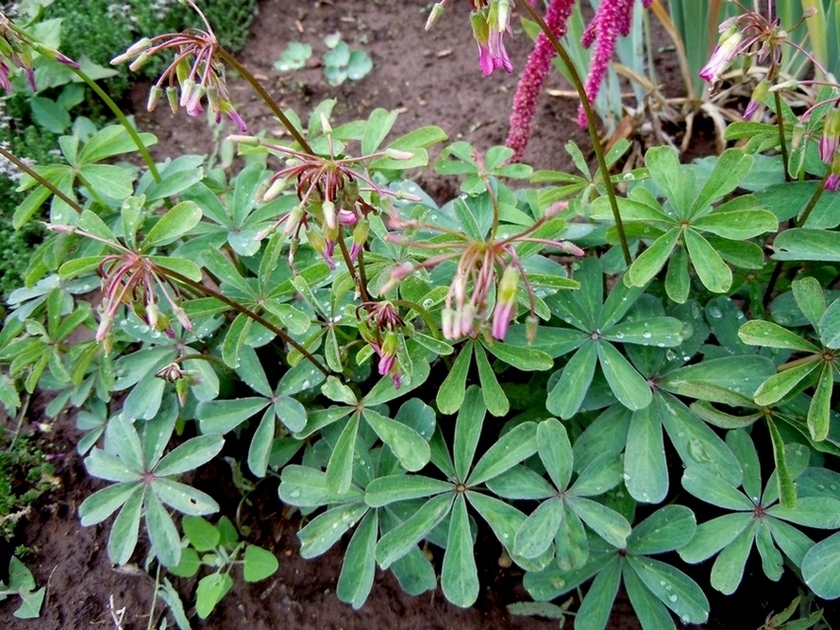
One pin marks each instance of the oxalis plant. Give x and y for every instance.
(529, 362)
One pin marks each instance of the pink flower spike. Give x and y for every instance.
(832, 184)
(611, 20)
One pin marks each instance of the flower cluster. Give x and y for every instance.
(382, 328)
(483, 267)
(195, 68)
(17, 50)
(331, 192)
(130, 278)
(750, 34)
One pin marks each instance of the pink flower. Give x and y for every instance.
(758, 95)
(505, 302)
(830, 138)
(722, 56)
(489, 26)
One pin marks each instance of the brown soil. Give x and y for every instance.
(432, 78)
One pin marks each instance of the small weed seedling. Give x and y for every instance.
(22, 584)
(340, 62)
(218, 546)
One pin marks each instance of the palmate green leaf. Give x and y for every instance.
(744, 449)
(571, 543)
(191, 454)
(210, 591)
(626, 383)
(399, 541)
(359, 566)
(568, 393)
(521, 482)
(809, 297)
(737, 224)
(235, 339)
(829, 326)
(260, 448)
(771, 558)
(111, 181)
(306, 487)
(467, 431)
(184, 498)
(144, 400)
(743, 374)
(821, 568)
(664, 167)
(166, 542)
(406, 443)
(384, 490)
(537, 533)
(102, 503)
(779, 385)
(555, 451)
(124, 531)
(600, 475)
(673, 588)
(222, 416)
(525, 359)
(631, 210)
(651, 261)
(291, 413)
(712, 536)
(594, 611)
(728, 569)
(110, 467)
(109, 141)
(324, 530)
(712, 271)
(669, 528)
(494, 396)
(459, 574)
(450, 395)
(770, 335)
(650, 611)
(731, 167)
(505, 521)
(339, 474)
(510, 449)
(663, 332)
(807, 244)
(91, 223)
(604, 521)
(645, 468)
(706, 485)
(817, 512)
(415, 573)
(819, 412)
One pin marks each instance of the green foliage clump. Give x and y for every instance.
(25, 476)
